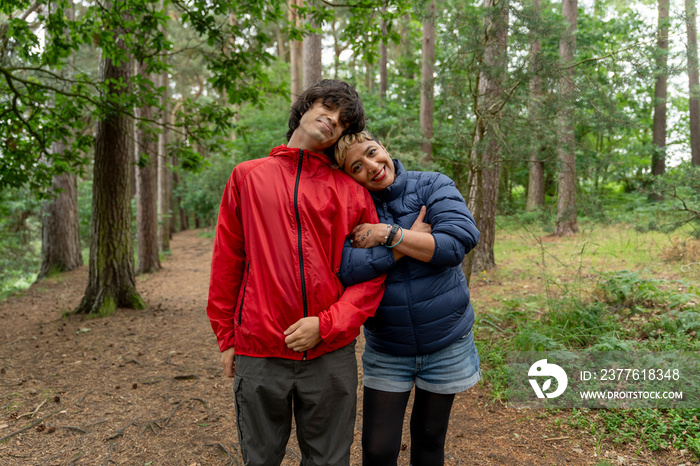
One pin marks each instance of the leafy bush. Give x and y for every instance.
(627, 289)
(680, 186)
(201, 192)
(259, 130)
(20, 240)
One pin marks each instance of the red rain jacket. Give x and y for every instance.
(279, 242)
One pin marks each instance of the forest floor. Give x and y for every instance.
(146, 387)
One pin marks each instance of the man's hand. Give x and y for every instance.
(229, 362)
(303, 335)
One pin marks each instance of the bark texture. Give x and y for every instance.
(60, 223)
(427, 84)
(383, 59)
(566, 223)
(658, 158)
(164, 174)
(111, 282)
(485, 168)
(60, 226)
(535, 185)
(313, 65)
(296, 57)
(691, 14)
(146, 157)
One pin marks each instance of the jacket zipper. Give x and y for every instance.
(245, 285)
(298, 217)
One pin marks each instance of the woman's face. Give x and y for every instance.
(370, 165)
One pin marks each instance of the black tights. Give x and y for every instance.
(383, 421)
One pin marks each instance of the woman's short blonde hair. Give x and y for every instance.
(344, 143)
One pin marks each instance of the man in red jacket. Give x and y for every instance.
(275, 299)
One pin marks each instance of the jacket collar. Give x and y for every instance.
(396, 188)
(284, 151)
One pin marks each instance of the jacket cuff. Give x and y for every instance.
(448, 251)
(225, 342)
(325, 327)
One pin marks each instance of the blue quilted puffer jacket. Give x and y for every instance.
(426, 305)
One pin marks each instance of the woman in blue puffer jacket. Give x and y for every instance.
(422, 332)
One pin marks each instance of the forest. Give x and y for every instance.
(571, 128)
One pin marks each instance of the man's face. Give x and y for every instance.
(320, 126)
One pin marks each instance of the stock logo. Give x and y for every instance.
(542, 368)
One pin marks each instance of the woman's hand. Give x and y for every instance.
(419, 225)
(368, 235)
(418, 242)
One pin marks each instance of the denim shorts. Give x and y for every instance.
(447, 371)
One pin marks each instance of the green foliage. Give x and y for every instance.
(201, 193)
(48, 97)
(362, 29)
(573, 324)
(681, 187)
(397, 129)
(259, 130)
(627, 289)
(570, 324)
(20, 240)
(673, 428)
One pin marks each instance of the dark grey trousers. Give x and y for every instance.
(321, 395)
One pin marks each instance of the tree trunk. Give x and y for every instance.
(658, 157)
(383, 64)
(163, 161)
(691, 14)
(164, 174)
(406, 45)
(146, 156)
(182, 215)
(60, 226)
(427, 85)
(296, 57)
(338, 48)
(111, 282)
(60, 223)
(313, 64)
(369, 77)
(535, 185)
(281, 44)
(486, 153)
(566, 223)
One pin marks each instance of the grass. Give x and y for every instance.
(612, 287)
(207, 233)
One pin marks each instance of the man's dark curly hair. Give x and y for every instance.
(337, 93)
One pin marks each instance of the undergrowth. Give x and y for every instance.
(621, 310)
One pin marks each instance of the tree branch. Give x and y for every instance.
(346, 5)
(611, 54)
(31, 10)
(9, 78)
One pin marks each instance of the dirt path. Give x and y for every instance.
(146, 387)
